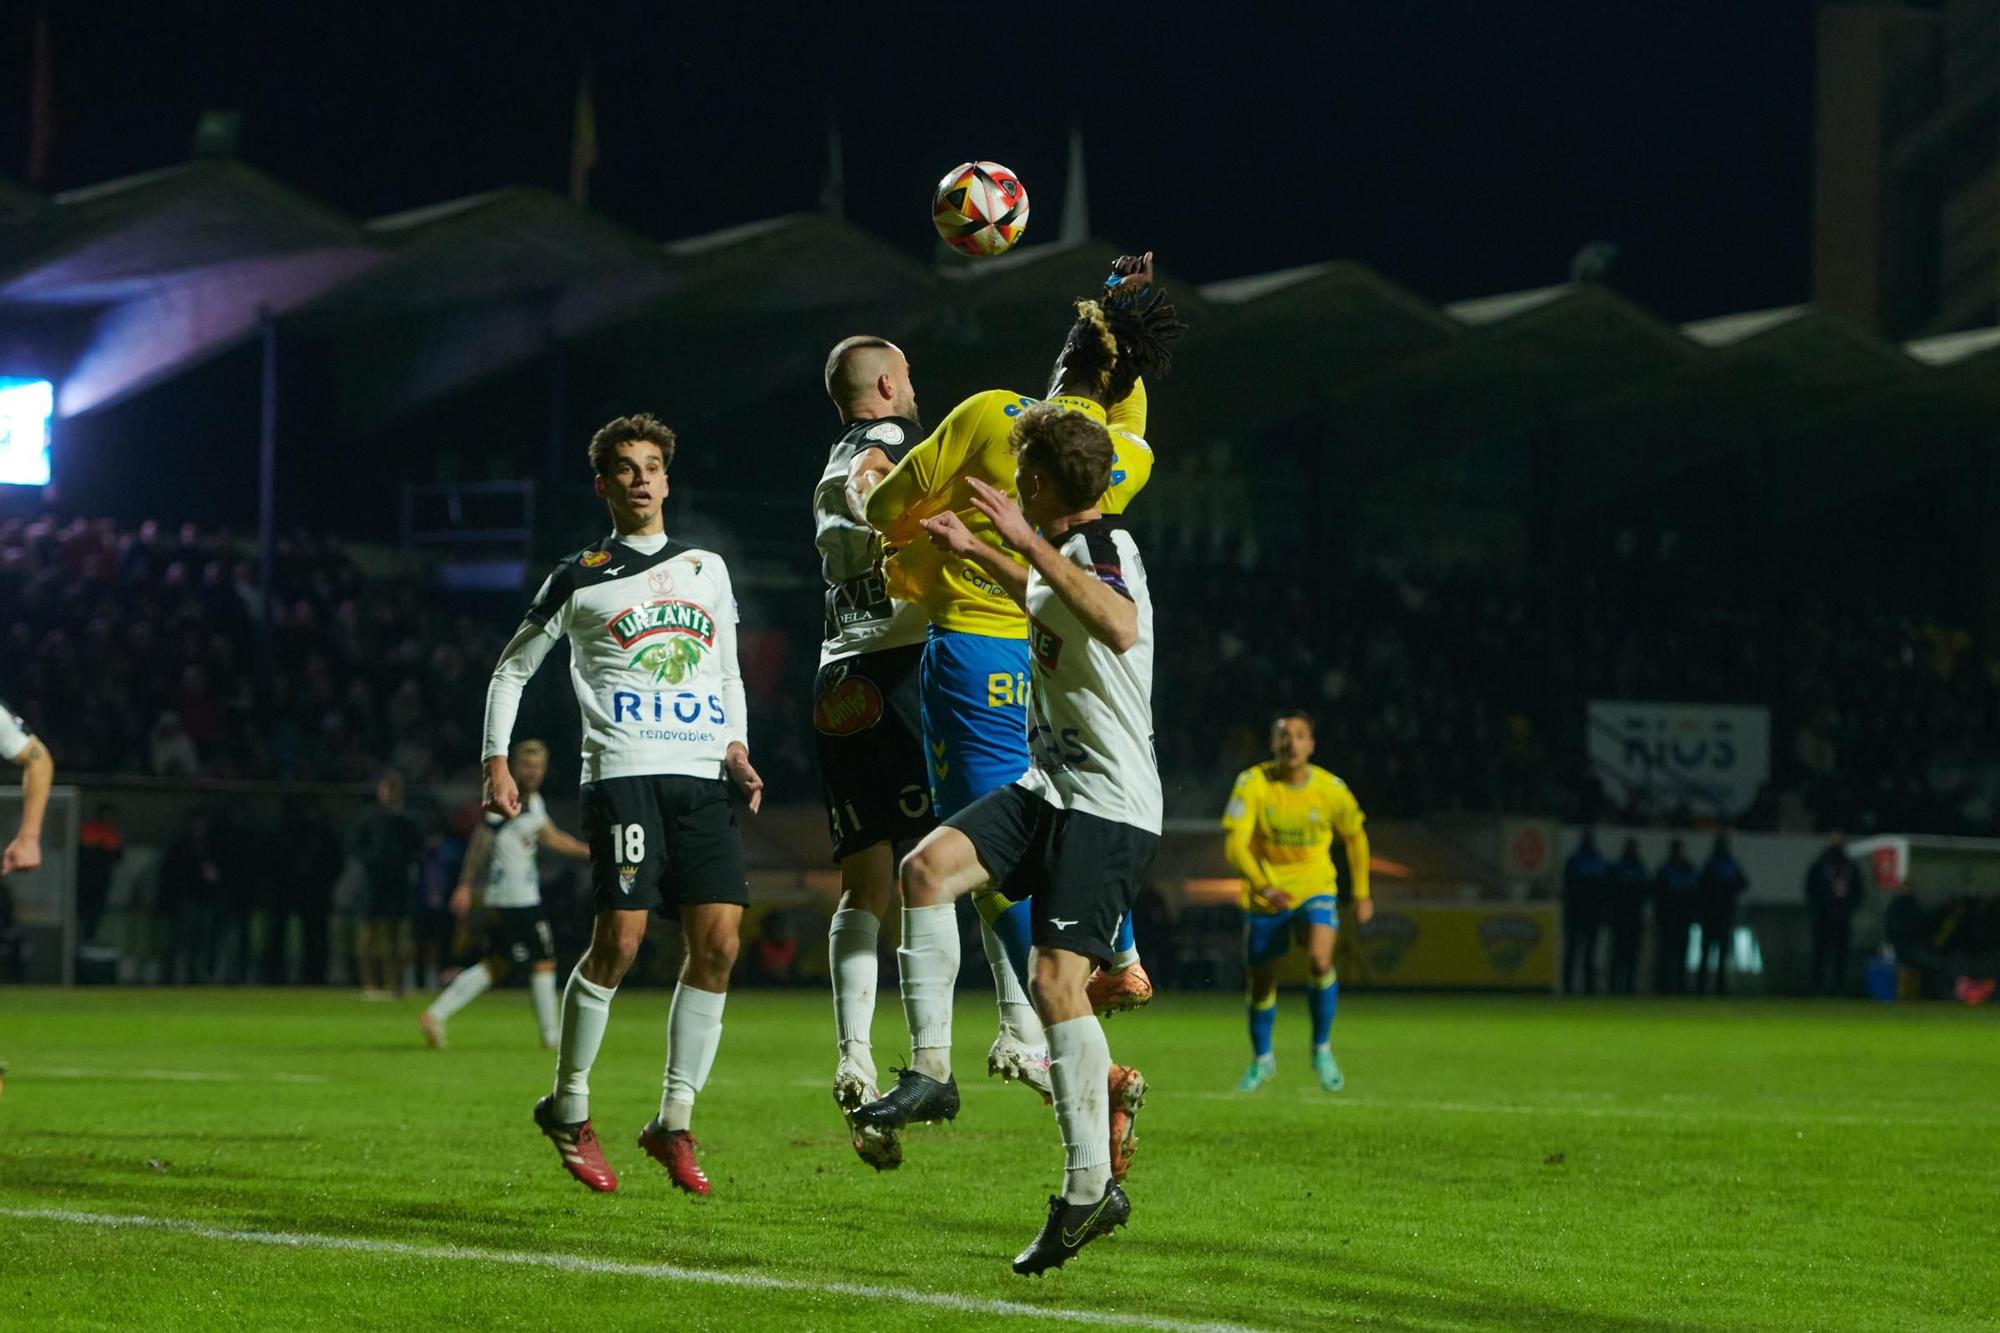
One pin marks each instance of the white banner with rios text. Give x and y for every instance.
(1710, 758)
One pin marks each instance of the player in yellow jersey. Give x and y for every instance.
(1280, 826)
(974, 670)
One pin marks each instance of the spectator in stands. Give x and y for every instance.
(308, 864)
(1722, 883)
(437, 874)
(775, 960)
(190, 895)
(1833, 891)
(1586, 877)
(386, 842)
(98, 851)
(1626, 896)
(1675, 889)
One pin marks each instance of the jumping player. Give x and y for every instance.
(502, 854)
(1071, 839)
(1279, 829)
(652, 632)
(865, 713)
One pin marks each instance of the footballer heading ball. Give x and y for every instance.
(981, 208)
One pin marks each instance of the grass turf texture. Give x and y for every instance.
(1495, 1163)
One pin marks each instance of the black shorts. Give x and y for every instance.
(1083, 872)
(871, 751)
(666, 839)
(520, 935)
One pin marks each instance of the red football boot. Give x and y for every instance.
(1128, 1094)
(674, 1149)
(582, 1157)
(1115, 992)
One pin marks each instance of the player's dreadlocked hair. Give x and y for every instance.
(1117, 339)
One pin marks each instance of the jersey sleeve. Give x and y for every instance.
(1129, 413)
(547, 620)
(14, 734)
(920, 485)
(1131, 455)
(1239, 824)
(1342, 810)
(735, 707)
(1099, 555)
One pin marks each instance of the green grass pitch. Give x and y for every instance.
(1514, 1163)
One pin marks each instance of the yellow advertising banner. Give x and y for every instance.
(1501, 947)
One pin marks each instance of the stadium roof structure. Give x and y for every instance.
(124, 285)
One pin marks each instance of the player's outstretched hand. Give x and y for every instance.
(1131, 274)
(1008, 521)
(1364, 910)
(949, 533)
(497, 792)
(22, 855)
(736, 763)
(1277, 900)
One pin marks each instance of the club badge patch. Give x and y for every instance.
(595, 558)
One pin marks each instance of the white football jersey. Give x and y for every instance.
(1090, 708)
(512, 877)
(14, 733)
(652, 640)
(861, 617)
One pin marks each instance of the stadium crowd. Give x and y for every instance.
(143, 652)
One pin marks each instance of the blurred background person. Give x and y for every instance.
(1586, 877)
(99, 849)
(308, 861)
(386, 842)
(1833, 891)
(1676, 886)
(1628, 888)
(1722, 883)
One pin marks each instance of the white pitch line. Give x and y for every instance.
(162, 1075)
(577, 1263)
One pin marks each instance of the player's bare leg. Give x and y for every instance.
(1263, 1016)
(1091, 1204)
(1321, 996)
(694, 1031)
(943, 868)
(564, 1115)
(867, 883)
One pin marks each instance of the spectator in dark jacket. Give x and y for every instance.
(191, 894)
(98, 851)
(1626, 910)
(309, 864)
(1833, 890)
(386, 841)
(1722, 883)
(1584, 881)
(1676, 887)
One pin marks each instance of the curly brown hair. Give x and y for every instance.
(626, 430)
(1068, 448)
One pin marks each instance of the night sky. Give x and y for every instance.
(1460, 148)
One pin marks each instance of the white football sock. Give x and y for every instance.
(694, 1030)
(469, 986)
(542, 988)
(1017, 1015)
(586, 1009)
(851, 961)
(928, 959)
(1080, 1072)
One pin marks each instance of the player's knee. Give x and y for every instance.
(922, 877)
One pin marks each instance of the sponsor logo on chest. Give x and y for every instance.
(1044, 644)
(676, 636)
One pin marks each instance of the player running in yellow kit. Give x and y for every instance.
(1280, 825)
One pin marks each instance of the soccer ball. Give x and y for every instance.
(981, 208)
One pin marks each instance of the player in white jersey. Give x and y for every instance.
(652, 635)
(866, 727)
(20, 747)
(1075, 834)
(503, 856)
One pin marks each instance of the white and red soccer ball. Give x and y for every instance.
(980, 208)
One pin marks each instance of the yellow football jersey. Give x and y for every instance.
(1281, 837)
(933, 477)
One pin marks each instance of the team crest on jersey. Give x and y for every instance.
(684, 633)
(627, 877)
(887, 433)
(661, 582)
(1045, 644)
(847, 704)
(592, 559)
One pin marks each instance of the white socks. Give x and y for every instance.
(542, 988)
(469, 986)
(851, 962)
(928, 958)
(1017, 1016)
(586, 1008)
(1080, 1070)
(694, 1030)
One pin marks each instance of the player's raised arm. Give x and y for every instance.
(546, 622)
(1097, 595)
(38, 775)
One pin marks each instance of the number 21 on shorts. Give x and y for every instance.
(628, 843)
